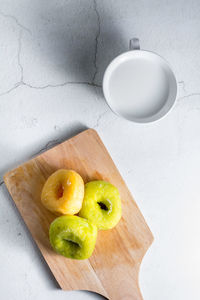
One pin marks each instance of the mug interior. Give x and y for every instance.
(134, 73)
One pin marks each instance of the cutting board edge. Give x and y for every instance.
(150, 241)
(45, 151)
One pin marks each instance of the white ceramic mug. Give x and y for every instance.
(139, 85)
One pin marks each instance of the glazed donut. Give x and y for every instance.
(101, 204)
(63, 192)
(73, 237)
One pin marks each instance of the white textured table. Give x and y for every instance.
(52, 57)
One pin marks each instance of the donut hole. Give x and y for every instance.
(60, 191)
(73, 245)
(103, 206)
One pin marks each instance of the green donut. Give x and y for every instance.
(73, 237)
(101, 204)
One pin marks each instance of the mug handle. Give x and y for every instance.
(134, 44)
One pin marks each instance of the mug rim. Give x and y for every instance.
(145, 119)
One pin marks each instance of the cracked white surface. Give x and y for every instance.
(52, 58)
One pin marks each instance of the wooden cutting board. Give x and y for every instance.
(112, 270)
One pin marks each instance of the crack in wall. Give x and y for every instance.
(188, 96)
(182, 83)
(21, 82)
(96, 41)
(99, 119)
(61, 84)
(11, 89)
(19, 56)
(16, 21)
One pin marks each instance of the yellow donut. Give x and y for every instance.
(63, 192)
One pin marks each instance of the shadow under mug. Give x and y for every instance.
(123, 85)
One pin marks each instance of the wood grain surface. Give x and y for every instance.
(112, 270)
